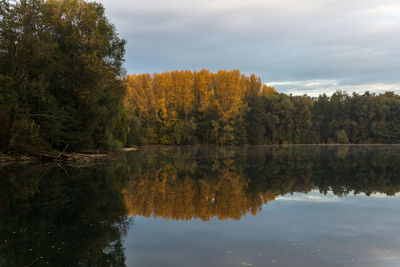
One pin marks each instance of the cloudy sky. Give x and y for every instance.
(298, 46)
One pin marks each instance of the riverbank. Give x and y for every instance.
(67, 158)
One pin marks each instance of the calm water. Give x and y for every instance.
(207, 206)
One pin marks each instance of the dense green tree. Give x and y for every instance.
(60, 68)
(255, 119)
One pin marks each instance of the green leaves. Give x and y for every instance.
(62, 60)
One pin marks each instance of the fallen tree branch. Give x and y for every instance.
(62, 152)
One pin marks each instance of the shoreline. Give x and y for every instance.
(267, 145)
(77, 159)
(67, 158)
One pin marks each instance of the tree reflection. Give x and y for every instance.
(79, 216)
(48, 218)
(202, 182)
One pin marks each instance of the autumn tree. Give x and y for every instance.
(207, 107)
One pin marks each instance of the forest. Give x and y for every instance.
(228, 108)
(62, 83)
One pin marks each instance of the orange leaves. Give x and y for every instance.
(254, 85)
(229, 92)
(267, 91)
(163, 193)
(140, 94)
(170, 95)
(203, 90)
(185, 107)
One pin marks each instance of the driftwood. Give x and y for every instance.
(62, 152)
(130, 149)
(6, 159)
(63, 158)
(68, 157)
(72, 159)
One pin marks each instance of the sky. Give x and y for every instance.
(297, 46)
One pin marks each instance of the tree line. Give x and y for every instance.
(228, 107)
(62, 83)
(196, 182)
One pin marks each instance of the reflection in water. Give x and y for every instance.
(183, 184)
(78, 216)
(197, 182)
(50, 219)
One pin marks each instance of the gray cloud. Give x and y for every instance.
(288, 42)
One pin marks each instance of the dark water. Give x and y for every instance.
(207, 206)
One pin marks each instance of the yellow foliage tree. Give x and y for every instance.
(167, 101)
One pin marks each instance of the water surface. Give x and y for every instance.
(207, 206)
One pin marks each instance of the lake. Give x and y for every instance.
(207, 206)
